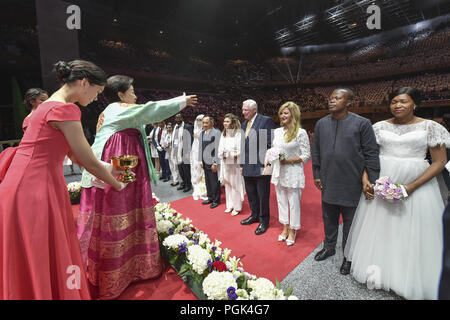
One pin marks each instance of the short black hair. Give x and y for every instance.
(116, 84)
(415, 94)
(350, 93)
(210, 118)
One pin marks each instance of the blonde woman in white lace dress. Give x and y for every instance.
(230, 173)
(398, 246)
(288, 176)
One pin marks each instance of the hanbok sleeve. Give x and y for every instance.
(64, 112)
(152, 111)
(303, 141)
(437, 135)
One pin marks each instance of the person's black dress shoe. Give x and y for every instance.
(214, 205)
(166, 179)
(160, 178)
(249, 220)
(174, 184)
(261, 228)
(346, 266)
(180, 188)
(207, 202)
(324, 253)
(187, 189)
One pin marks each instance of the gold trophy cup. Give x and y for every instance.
(125, 162)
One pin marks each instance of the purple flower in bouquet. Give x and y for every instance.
(231, 291)
(389, 191)
(183, 248)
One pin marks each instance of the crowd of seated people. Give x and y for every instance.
(419, 51)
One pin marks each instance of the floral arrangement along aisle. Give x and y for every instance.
(74, 189)
(207, 269)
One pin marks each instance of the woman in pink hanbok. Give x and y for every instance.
(117, 232)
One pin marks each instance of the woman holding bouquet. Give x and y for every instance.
(401, 242)
(288, 177)
(117, 232)
(230, 171)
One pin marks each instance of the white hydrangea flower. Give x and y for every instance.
(174, 241)
(163, 226)
(292, 298)
(158, 216)
(216, 284)
(262, 289)
(198, 258)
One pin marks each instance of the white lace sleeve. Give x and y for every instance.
(437, 135)
(376, 128)
(305, 150)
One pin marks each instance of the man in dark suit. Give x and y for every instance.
(209, 140)
(257, 140)
(182, 141)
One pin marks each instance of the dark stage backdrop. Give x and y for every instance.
(56, 41)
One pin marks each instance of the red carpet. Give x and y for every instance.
(261, 255)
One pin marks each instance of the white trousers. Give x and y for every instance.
(288, 200)
(174, 169)
(233, 197)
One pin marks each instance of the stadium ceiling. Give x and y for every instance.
(346, 20)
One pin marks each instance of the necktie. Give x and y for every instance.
(249, 125)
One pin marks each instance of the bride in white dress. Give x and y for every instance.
(398, 246)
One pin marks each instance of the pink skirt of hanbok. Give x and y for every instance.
(117, 229)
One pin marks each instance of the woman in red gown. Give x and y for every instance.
(40, 256)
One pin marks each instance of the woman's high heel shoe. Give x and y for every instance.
(281, 238)
(291, 242)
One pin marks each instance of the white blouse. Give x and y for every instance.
(291, 175)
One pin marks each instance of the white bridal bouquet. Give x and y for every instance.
(272, 156)
(389, 191)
